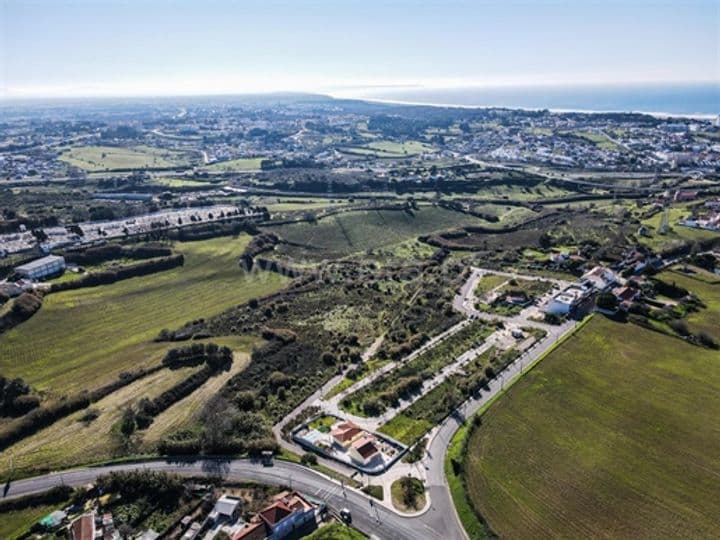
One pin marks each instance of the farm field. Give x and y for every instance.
(183, 414)
(15, 523)
(354, 232)
(242, 164)
(388, 149)
(70, 441)
(83, 338)
(100, 158)
(611, 436)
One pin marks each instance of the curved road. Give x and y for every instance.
(440, 521)
(373, 519)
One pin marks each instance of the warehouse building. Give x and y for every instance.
(41, 268)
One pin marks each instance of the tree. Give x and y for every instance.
(308, 459)
(607, 300)
(127, 422)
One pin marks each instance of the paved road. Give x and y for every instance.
(373, 520)
(440, 521)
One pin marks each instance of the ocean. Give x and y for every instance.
(671, 99)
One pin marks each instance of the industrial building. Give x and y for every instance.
(41, 268)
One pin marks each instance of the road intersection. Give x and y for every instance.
(438, 519)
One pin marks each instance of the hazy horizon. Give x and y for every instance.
(116, 48)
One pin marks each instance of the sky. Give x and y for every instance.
(51, 48)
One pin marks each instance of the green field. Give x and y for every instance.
(70, 441)
(700, 284)
(389, 149)
(613, 435)
(15, 523)
(100, 158)
(179, 182)
(598, 139)
(354, 232)
(676, 234)
(488, 282)
(86, 337)
(242, 164)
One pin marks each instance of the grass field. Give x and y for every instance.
(613, 435)
(100, 158)
(17, 522)
(183, 414)
(86, 337)
(355, 232)
(242, 164)
(598, 139)
(705, 320)
(676, 234)
(389, 149)
(179, 182)
(488, 282)
(71, 441)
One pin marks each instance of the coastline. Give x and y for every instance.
(655, 114)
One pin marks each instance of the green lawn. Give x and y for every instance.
(100, 158)
(613, 435)
(82, 338)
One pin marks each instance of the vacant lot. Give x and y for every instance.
(355, 232)
(100, 158)
(83, 338)
(614, 435)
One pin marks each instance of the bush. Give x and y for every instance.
(680, 326)
(125, 272)
(308, 459)
(707, 340)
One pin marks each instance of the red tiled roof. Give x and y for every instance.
(83, 528)
(275, 513)
(345, 431)
(253, 531)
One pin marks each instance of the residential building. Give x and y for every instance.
(286, 516)
(83, 528)
(364, 450)
(345, 432)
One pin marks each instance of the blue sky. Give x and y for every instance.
(134, 47)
